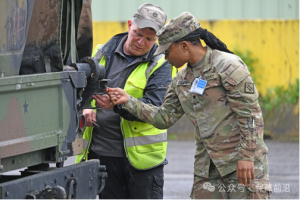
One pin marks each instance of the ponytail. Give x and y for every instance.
(210, 39)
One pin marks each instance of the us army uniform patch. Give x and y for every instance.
(249, 88)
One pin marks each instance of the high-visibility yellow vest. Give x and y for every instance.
(144, 144)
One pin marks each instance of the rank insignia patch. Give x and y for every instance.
(249, 88)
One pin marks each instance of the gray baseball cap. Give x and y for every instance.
(175, 29)
(150, 16)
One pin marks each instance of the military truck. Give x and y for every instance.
(46, 79)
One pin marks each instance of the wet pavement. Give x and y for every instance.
(283, 161)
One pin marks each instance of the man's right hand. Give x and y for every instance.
(117, 95)
(90, 116)
(103, 101)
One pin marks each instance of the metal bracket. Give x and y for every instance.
(49, 192)
(103, 175)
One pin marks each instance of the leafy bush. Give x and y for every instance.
(279, 95)
(274, 96)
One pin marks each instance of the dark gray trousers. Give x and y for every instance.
(126, 182)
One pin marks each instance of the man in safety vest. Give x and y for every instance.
(134, 152)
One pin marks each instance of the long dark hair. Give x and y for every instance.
(210, 39)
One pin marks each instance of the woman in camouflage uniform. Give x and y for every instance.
(216, 92)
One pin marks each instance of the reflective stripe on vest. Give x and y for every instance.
(85, 143)
(147, 139)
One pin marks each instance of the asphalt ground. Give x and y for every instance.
(178, 173)
(283, 163)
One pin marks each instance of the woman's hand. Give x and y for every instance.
(117, 95)
(245, 171)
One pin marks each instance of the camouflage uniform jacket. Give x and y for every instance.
(227, 117)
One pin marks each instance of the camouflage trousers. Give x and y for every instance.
(226, 187)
